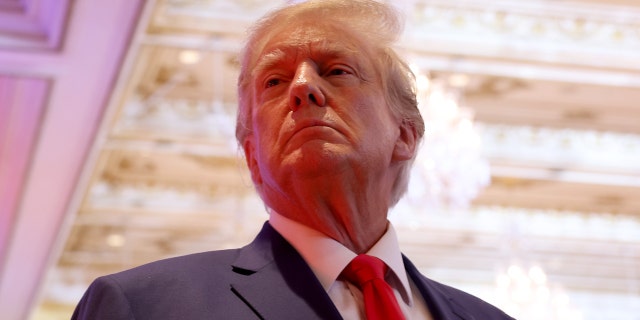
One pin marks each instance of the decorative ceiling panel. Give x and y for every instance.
(180, 94)
(58, 62)
(23, 103)
(576, 33)
(207, 17)
(33, 25)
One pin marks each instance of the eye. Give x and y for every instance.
(339, 71)
(272, 82)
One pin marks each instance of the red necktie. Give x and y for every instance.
(367, 273)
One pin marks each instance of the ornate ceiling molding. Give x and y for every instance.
(33, 25)
(54, 100)
(212, 17)
(22, 104)
(617, 154)
(579, 34)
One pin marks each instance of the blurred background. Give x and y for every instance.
(117, 147)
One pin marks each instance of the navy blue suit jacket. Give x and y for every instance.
(266, 279)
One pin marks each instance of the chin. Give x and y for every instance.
(317, 159)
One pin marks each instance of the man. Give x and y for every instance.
(329, 124)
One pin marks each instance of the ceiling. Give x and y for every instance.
(116, 140)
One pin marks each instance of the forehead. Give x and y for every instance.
(290, 42)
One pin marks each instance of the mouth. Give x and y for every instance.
(311, 124)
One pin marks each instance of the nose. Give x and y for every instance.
(306, 89)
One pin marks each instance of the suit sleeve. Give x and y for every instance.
(103, 300)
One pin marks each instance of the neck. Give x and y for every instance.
(337, 206)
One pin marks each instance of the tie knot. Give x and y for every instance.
(363, 269)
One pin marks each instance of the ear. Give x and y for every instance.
(406, 142)
(252, 163)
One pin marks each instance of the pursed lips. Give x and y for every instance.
(309, 124)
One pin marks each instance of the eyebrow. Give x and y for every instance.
(329, 50)
(268, 61)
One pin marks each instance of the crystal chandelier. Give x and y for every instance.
(523, 290)
(526, 294)
(449, 170)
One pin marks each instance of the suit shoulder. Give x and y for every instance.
(210, 261)
(198, 283)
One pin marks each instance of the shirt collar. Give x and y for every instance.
(327, 257)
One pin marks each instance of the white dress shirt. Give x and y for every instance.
(327, 258)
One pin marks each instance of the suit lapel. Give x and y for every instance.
(276, 283)
(441, 305)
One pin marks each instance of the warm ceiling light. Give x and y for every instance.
(115, 240)
(458, 80)
(189, 57)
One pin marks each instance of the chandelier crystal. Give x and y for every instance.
(525, 293)
(449, 170)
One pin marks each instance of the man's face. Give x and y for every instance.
(319, 108)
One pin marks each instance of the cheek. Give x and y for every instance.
(379, 122)
(270, 120)
(371, 112)
(267, 131)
